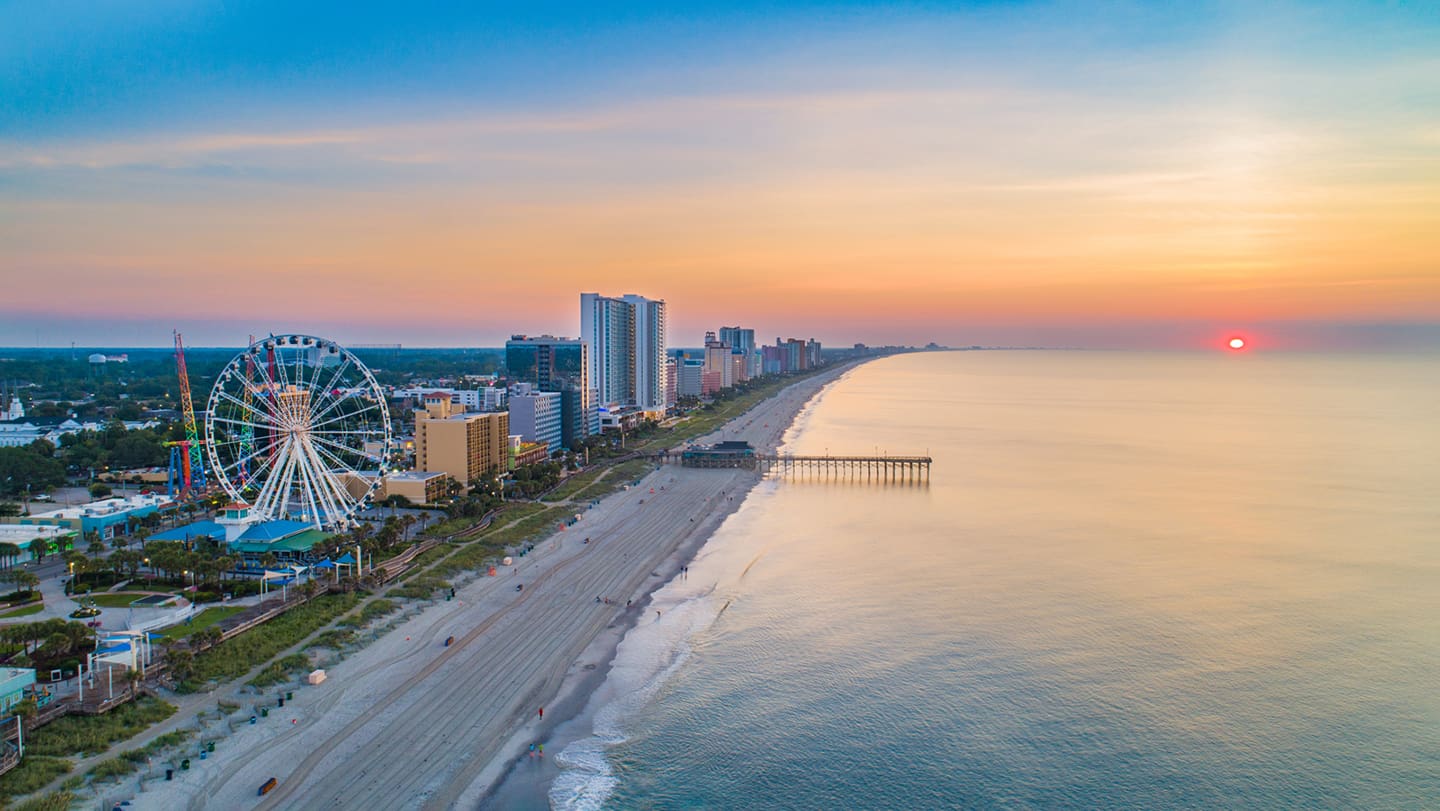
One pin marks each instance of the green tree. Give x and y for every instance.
(8, 553)
(30, 465)
(180, 663)
(100, 490)
(25, 581)
(94, 544)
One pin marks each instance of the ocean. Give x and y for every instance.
(1133, 581)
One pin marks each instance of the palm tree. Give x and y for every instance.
(25, 581)
(8, 553)
(180, 663)
(97, 546)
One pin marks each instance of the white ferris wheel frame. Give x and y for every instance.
(297, 475)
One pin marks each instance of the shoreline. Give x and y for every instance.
(523, 783)
(407, 721)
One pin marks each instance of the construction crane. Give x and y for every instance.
(187, 460)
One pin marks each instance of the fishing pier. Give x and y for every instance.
(911, 469)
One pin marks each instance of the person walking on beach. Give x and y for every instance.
(542, 713)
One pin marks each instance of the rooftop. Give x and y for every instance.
(269, 531)
(22, 534)
(413, 475)
(109, 506)
(300, 542)
(199, 529)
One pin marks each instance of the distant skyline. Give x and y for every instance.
(1116, 175)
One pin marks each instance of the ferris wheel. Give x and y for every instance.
(297, 428)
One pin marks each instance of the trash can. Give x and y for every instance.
(185, 764)
(169, 774)
(210, 747)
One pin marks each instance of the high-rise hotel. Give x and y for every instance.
(627, 350)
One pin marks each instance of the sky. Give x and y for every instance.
(441, 174)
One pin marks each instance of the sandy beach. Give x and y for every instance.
(408, 722)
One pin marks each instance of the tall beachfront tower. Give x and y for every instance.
(627, 350)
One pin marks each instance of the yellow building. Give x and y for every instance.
(465, 446)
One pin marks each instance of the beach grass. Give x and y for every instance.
(573, 485)
(34, 773)
(93, 734)
(205, 619)
(236, 656)
(59, 801)
(281, 669)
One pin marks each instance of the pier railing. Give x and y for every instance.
(850, 468)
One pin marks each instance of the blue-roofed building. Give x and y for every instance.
(191, 532)
(250, 539)
(270, 531)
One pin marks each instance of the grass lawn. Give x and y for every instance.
(119, 599)
(24, 611)
(205, 619)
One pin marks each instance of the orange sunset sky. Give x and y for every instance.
(1073, 174)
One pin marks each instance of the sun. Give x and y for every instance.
(1237, 343)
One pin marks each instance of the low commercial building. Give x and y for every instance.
(31, 538)
(108, 517)
(527, 453)
(419, 486)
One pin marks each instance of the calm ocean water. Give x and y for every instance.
(1135, 581)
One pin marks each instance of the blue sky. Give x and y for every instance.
(1050, 167)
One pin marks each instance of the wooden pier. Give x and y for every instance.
(909, 469)
(879, 469)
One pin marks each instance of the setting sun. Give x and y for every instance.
(1237, 343)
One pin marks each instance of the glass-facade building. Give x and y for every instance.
(559, 365)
